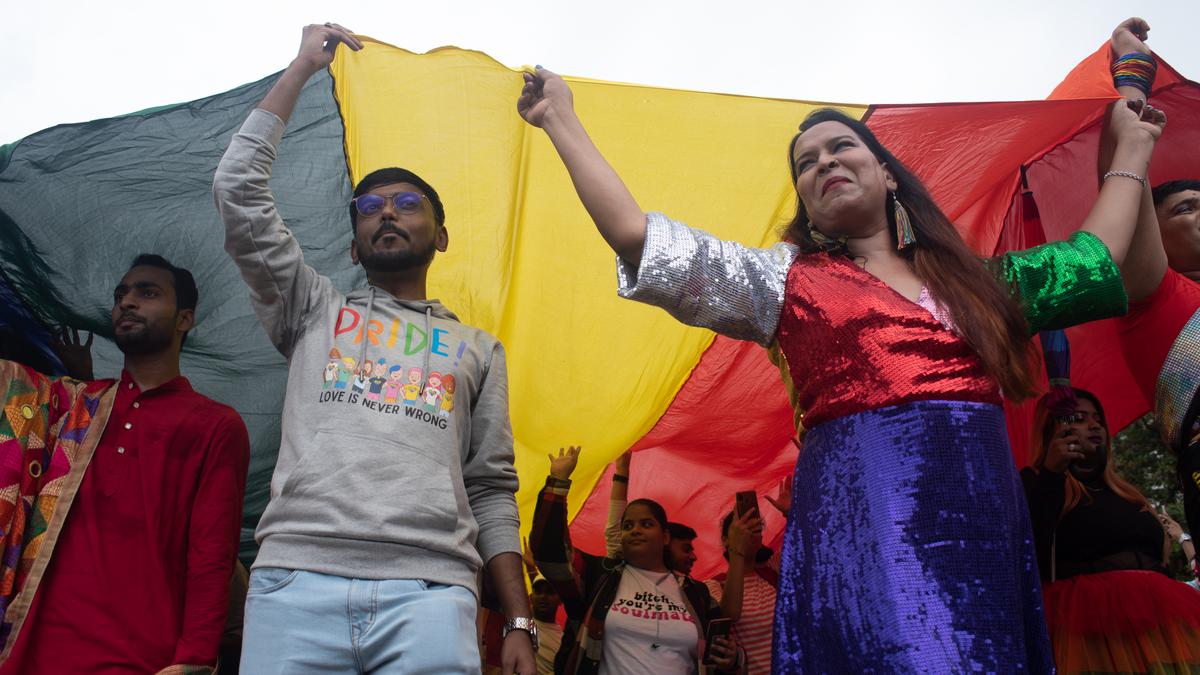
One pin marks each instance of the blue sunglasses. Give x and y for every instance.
(407, 203)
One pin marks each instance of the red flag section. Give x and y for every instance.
(1010, 175)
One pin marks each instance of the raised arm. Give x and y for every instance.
(550, 539)
(546, 102)
(1133, 69)
(317, 47)
(699, 279)
(269, 258)
(1134, 128)
(618, 499)
(745, 538)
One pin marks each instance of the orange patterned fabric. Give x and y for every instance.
(44, 445)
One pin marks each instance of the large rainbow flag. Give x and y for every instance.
(706, 417)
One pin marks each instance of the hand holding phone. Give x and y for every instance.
(717, 628)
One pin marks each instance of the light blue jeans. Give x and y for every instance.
(305, 622)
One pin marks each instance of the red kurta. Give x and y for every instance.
(139, 579)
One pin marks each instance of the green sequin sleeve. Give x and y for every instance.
(1063, 283)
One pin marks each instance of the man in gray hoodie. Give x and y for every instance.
(395, 482)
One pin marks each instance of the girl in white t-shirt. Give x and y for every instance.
(632, 615)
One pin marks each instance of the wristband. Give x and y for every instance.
(1135, 70)
(618, 478)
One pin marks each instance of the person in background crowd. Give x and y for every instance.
(747, 588)
(142, 486)
(1110, 606)
(627, 616)
(1160, 336)
(683, 538)
(898, 342)
(380, 521)
(545, 602)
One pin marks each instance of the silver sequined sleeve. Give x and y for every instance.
(704, 281)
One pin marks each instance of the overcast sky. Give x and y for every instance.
(77, 61)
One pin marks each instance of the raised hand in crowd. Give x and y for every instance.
(745, 534)
(563, 466)
(75, 354)
(617, 500)
(782, 500)
(621, 464)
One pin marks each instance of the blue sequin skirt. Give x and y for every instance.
(909, 548)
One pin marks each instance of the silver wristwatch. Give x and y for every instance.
(521, 623)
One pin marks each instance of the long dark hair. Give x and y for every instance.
(985, 315)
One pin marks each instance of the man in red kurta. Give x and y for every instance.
(1160, 336)
(138, 579)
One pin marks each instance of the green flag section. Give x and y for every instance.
(78, 202)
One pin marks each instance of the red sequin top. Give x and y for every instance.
(852, 343)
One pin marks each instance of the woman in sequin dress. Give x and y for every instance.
(908, 545)
(1110, 605)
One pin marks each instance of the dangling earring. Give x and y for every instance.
(905, 235)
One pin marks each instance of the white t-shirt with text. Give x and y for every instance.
(648, 630)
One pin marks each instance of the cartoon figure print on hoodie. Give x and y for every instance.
(332, 368)
(395, 382)
(345, 372)
(412, 390)
(375, 382)
(433, 392)
(447, 396)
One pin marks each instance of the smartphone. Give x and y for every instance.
(745, 502)
(716, 628)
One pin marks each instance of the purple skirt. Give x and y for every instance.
(909, 548)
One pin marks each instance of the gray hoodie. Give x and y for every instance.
(396, 457)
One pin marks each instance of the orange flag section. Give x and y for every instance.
(525, 261)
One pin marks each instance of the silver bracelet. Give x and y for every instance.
(1126, 174)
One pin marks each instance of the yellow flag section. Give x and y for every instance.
(526, 263)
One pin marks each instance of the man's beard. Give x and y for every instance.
(396, 261)
(144, 341)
